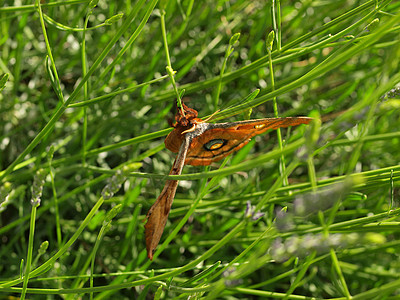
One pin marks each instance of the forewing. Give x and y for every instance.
(158, 214)
(221, 139)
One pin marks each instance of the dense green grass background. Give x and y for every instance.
(73, 113)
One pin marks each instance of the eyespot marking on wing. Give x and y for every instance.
(259, 126)
(214, 144)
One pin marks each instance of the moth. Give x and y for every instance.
(199, 144)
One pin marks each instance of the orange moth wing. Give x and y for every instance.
(219, 140)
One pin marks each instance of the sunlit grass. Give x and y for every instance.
(314, 217)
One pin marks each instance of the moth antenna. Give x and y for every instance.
(210, 117)
(190, 129)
